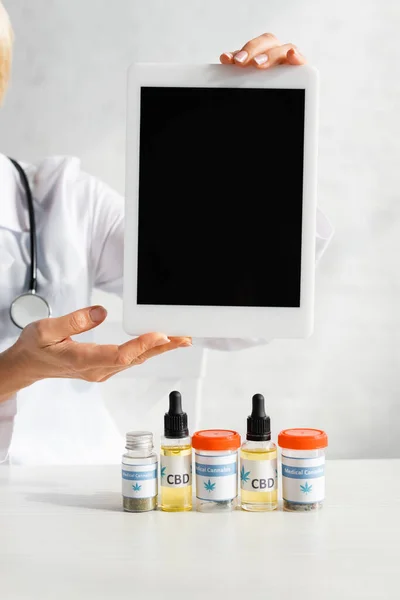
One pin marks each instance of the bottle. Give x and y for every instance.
(139, 473)
(176, 459)
(216, 460)
(258, 462)
(303, 468)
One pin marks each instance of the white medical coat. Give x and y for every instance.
(80, 223)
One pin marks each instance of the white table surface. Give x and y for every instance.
(63, 535)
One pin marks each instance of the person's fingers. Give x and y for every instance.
(95, 374)
(83, 357)
(51, 331)
(175, 343)
(127, 357)
(295, 58)
(277, 56)
(253, 48)
(129, 352)
(183, 341)
(226, 58)
(93, 362)
(118, 358)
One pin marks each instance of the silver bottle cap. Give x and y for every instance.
(139, 440)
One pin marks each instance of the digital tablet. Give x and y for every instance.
(220, 201)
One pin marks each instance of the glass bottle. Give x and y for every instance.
(258, 462)
(216, 461)
(176, 459)
(303, 468)
(139, 473)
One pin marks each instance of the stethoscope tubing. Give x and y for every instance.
(32, 227)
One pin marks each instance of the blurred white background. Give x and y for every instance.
(68, 97)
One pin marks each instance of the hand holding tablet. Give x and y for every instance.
(220, 233)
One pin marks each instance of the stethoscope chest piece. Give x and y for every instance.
(27, 308)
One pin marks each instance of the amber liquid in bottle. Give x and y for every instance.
(258, 462)
(176, 459)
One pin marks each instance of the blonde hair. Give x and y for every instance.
(6, 40)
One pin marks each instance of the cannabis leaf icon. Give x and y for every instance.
(136, 487)
(306, 489)
(209, 486)
(244, 475)
(163, 469)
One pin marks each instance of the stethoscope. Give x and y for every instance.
(29, 306)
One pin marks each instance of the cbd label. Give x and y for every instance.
(139, 481)
(258, 475)
(176, 471)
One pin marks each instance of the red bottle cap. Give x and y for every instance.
(302, 439)
(216, 439)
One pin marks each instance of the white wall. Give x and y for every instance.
(68, 97)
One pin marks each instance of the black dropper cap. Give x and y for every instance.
(258, 423)
(175, 420)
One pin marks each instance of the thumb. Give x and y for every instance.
(56, 330)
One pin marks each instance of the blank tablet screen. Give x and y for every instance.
(220, 196)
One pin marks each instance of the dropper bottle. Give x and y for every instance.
(176, 459)
(258, 462)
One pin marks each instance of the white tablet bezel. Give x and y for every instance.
(229, 321)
